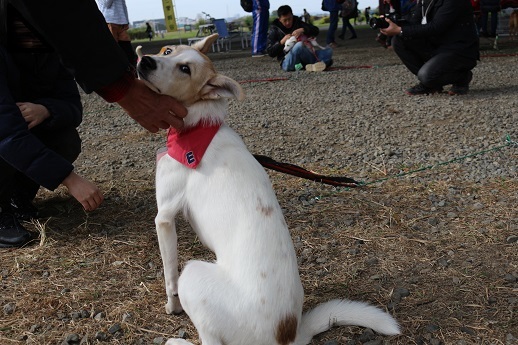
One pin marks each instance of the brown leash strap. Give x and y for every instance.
(295, 170)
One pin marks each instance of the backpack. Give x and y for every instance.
(348, 9)
(247, 5)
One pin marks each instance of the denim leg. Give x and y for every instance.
(351, 28)
(298, 54)
(333, 24)
(484, 23)
(325, 55)
(344, 26)
(494, 22)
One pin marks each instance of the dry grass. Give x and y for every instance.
(360, 244)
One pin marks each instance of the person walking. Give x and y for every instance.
(333, 7)
(260, 18)
(347, 12)
(149, 31)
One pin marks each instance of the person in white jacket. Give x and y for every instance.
(116, 14)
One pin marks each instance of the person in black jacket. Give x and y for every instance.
(95, 58)
(287, 26)
(40, 108)
(439, 45)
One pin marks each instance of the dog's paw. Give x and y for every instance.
(174, 306)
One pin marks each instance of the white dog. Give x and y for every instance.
(252, 294)
(310, 42)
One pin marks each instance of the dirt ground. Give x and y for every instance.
(438, 252)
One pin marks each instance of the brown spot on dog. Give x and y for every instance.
(286, 330)
(266, 210)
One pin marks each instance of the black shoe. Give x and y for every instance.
(353, 37)
(341, 37)
(420, 89)
(12, 233)
(461, 88)
(23, 209)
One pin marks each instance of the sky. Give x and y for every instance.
(152, 9)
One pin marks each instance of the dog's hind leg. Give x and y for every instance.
(167, 241)
(210, 299)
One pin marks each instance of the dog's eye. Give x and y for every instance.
(168, 51)
(185, 69)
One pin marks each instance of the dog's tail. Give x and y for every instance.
(344, 313)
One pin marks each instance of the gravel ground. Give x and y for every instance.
(356, 118)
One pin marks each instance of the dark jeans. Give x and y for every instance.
(66, 143)
(433, 70)
(333, 24)
(494, 22)
(347, 24)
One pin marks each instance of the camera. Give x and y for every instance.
(380, 23)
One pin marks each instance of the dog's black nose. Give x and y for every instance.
(147, 63)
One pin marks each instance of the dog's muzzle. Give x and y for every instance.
(146, 64)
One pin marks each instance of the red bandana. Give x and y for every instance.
(188, 147)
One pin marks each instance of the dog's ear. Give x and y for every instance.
(222, 87)
(205, 44)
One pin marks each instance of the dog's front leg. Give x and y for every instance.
(167, 241)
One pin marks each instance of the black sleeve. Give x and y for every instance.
(274, 48)
(78, 32)
(20, 148)
(443, 20)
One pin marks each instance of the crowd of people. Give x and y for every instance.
(438, 41)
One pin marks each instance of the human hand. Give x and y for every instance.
(285, 38)
(392, 30)
(297, 32)
(34, 114)
(83, 191)
(152, 110)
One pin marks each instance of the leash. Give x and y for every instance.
(261, 80)
(291, 169)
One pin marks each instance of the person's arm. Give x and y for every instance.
(64, 106)
(96, 59)
(23, 151)
(444, 19)
(84, 191)
(274, 46)
(19, 147)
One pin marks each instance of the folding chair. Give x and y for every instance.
(225, 37)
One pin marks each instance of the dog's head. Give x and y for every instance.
(290, 43)
(186, 73)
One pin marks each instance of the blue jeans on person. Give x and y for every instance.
(303, 55)
(333, 24)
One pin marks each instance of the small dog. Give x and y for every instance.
(513, 25)
(252, 294)
(309, 42)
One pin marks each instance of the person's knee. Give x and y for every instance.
(297, 48)
(424, 76)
